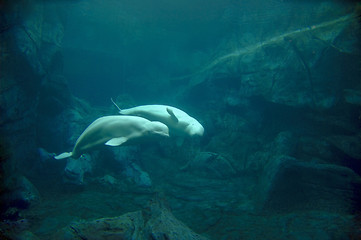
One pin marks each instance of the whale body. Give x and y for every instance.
(115, 131)
(178, 121)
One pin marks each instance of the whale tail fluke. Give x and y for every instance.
(116, 105)
(63, 155)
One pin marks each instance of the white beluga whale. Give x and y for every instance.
(115, 131)
(178, 122)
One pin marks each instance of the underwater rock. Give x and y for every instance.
(125, 227)
(26, 235)
(110, 182)
(136, 174)
(201, 202)
(233, 100)
(284, 144)
(125, 154)
(59, 130)
(315, 149)
(107, 179)
(27, 192)
(31, 35)
(309, 186)
(18, 195)
(126, 158)
(54, 95)
(349, 145)
(210, 165)
(23, 194)
(39, 36)
(311, 76)
(16, 230)
(157, 223)
(162, 225)
(272, 154)
(352, 96)
(297, 225)
(76, 168)
(288, 183)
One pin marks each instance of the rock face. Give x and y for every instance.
(161, 225)
(269, 181)
(136, 174)
(291, 68)
(127, 226)
(157, 222)
(309, 186)
(75, 169)
(32, 88)
(210, 165)
(349, 145)
(21, 194)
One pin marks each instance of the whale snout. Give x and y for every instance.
(163, 134)
(196, 129)
(199, 132)
(159, 129)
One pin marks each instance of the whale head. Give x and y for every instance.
(195, 129)
(156, 128)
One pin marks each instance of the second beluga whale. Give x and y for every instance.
(178, 121)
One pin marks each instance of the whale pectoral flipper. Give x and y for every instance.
(171, 113)
(116, 141)
(63, 155)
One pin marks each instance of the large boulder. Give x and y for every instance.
(310, 186)
(20, 194)
(305, 66)
(31, 35)
(210, 165)
(162, 225)
(156, 222)
(127, 226)
(348, 145)
(75, 169)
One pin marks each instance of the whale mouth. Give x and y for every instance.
(163, 134)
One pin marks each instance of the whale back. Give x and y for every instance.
(177, 120)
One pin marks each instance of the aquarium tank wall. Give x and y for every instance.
(219, 119)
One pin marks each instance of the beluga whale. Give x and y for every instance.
(115, 131)
(178, 121)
